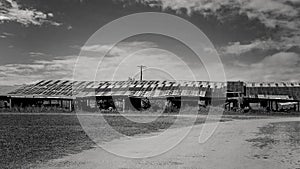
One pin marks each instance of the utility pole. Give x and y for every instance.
(141, 67)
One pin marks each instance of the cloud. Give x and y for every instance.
(50, 15)
(284, 59)
(88, 65)
(161, 63)
(88, 68)
(282, 66)
(209, 50)
(283, 44)
(280, 16)
(36, 54)
(262, 10)
(96, 48)
(120, 49)
(272, 13)
(6, 34)
(59, 68)
(236, 48)
(62, 67)
(10, 10)
(69, 27)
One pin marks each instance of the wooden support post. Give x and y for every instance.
(61, 103)
(123, 105)
(298, 106)
(10, 103)
(70, 105)
(276, 105)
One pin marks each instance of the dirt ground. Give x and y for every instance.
(229, 147)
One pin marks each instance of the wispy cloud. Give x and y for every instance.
(166, 65)
(10, 10)
(236, 48)
(162, 64)
(282, 66)
(59, 68)
(62, 67)
(36, 54)
(119, 49)
(6, 34)
(89, 68)
(283, 44)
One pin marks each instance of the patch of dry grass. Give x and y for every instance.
(29, 139)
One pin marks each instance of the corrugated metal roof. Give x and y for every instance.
(61, 88)
(159, 89)
(272, 84)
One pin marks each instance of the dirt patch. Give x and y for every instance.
(278, 141)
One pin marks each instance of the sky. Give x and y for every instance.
(42, 39)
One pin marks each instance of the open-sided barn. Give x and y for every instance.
(273, 95)
(66, 94)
